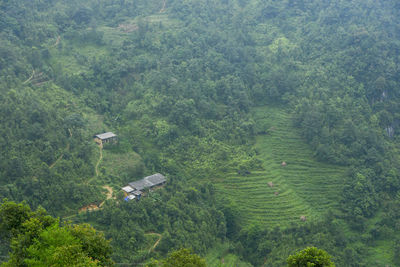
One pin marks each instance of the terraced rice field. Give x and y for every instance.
(280, 195)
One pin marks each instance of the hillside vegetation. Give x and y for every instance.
(216, 95)
(280, 195)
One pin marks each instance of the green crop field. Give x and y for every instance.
(280, 195)
(120, 168)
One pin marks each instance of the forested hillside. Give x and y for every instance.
(276, 124)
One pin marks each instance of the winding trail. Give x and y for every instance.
(163, 7)
(59, 158)
(100, 158)
(57, 41)
(93, 207)
(109, 194)
(156, 243)
(97, 164)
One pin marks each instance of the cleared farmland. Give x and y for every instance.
(279, 195)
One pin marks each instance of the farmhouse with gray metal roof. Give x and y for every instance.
(135, 188)
(148, 182)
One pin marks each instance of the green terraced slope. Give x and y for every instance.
(305, 187)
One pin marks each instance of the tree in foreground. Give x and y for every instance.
(180, 258)
(310, 257)
(38, 239)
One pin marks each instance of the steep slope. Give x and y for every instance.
(280, 195)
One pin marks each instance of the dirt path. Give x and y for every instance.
(100, 158)
(156, 243)
(37, 78)
(97, 164)
(30, 78)
(59, 158)
(57, 41)
(93, 207)
(62, 155)
(110, 191)
(90, 207)
(163, 7)
(109, 194)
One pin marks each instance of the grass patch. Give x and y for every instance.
(72, 58)
(94, 124)
(120, 168)
(117, 35)
(305, 187)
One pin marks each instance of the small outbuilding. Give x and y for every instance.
(129, 197)
(137, 194)
(108, 137)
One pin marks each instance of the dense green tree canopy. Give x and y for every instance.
(37, 239)
(179, 82)
(310, 257)
(181, 258)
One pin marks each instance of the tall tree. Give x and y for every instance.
(310, 257)
(37, 239)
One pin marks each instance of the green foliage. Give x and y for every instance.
(93, 243)
(181, 258)
(37, 239)
(56, 246)
(187, 218)
(223, 255)
(310, 257)
(305, 187)
(177, 82)
(46, 156)
(12, 216)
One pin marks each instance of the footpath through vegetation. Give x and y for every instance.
(156, 243)
(100, 158)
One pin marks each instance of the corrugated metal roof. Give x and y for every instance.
(137, 193)
(107, 135)
(141, 184)
(131, 197)
(156, 178)
(148, 181)
(127, 189)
